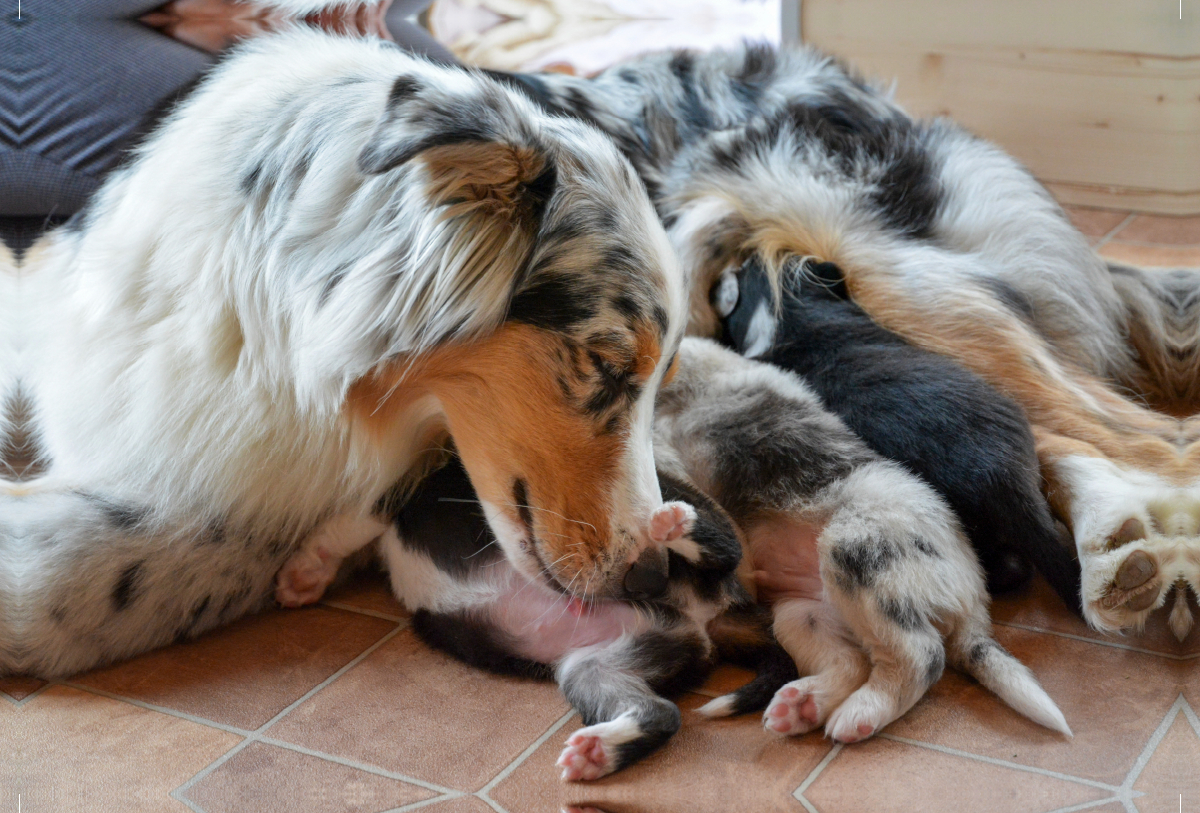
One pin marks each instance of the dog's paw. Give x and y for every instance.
(795, 709)
(585, 757)
(303, 578)
(865, 712)
(672, 521)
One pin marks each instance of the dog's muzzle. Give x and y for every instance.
(647, 578)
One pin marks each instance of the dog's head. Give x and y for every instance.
(562, 304)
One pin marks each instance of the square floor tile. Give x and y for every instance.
(417, 712)
(246, 673)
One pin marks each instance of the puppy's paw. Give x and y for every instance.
(864, 713)
(584, 757)
(672, 521)
(795, 709)
(303, 578)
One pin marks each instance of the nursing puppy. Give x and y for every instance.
(327, 260)
(946, 241)
(611, 658)
(876, 588)
(964, 438)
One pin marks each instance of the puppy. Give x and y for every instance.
(876, 586)
(612, 658)
(964, 438)
(327, 260)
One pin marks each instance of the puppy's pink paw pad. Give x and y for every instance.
(671, 521)
(792, 711)
(583, 758)
(303, 578)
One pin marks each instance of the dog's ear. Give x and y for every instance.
(475, 148)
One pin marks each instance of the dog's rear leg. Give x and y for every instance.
(303, 578)
(611, 689)
(813, 634)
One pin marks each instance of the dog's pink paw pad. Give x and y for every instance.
(671, 521)
(303, 578)
(583, 758)
(792, 711)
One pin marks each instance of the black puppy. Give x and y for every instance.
(961, 435)
(611, 658)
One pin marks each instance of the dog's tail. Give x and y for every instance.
(743, 636)
(975, 652)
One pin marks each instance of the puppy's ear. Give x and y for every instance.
(475, 147)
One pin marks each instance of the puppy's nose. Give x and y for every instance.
(647, 578)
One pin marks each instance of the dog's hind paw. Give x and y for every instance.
(672, 521)
(303, 578)
(794, 709)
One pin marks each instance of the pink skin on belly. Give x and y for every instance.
(786, 563)
(547, 625)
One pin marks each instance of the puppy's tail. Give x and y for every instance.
(743, 636)
(979, 655)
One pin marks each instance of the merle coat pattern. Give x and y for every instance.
(880, 588)
(785, 156)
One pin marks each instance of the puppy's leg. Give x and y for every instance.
(303, 578)
(817, 639)
(611, 688)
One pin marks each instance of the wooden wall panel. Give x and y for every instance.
(1099, 98)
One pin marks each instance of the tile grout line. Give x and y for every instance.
(359, 766)
(33, 694)
(1152, 744)
(337, 605)
(446, 797)
(1097, 641)
(346, 668)
(256, 735)
(1113, 232)
(507, 771)
(182, 715)
(1088, 805)
(1003, 763)
(798, 793)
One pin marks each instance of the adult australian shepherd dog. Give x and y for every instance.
(330, 258)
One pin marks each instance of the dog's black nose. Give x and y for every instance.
(647, 579)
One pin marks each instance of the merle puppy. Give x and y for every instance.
(961, 435)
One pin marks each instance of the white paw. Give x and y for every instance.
(584, 757)
(864, 713)
(794, 709)
(672, 521)
(303, 578)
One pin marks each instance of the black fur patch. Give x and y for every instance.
(1013, 299)
(443, 520)
(903, 613)
(935, 665)
(858, 565)
(553, 303)
(476, 643)
(121, 516)
(125, 590)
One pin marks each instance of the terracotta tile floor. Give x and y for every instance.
(339, 708)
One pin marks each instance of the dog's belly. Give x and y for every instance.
(787, 564)
(546, 626)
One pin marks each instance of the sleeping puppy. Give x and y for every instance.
(612, 658)
(963, 437)
(876, 587)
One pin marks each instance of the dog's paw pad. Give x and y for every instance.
(303, 578)
(792, 711)
(672, 521)
(584, 758)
